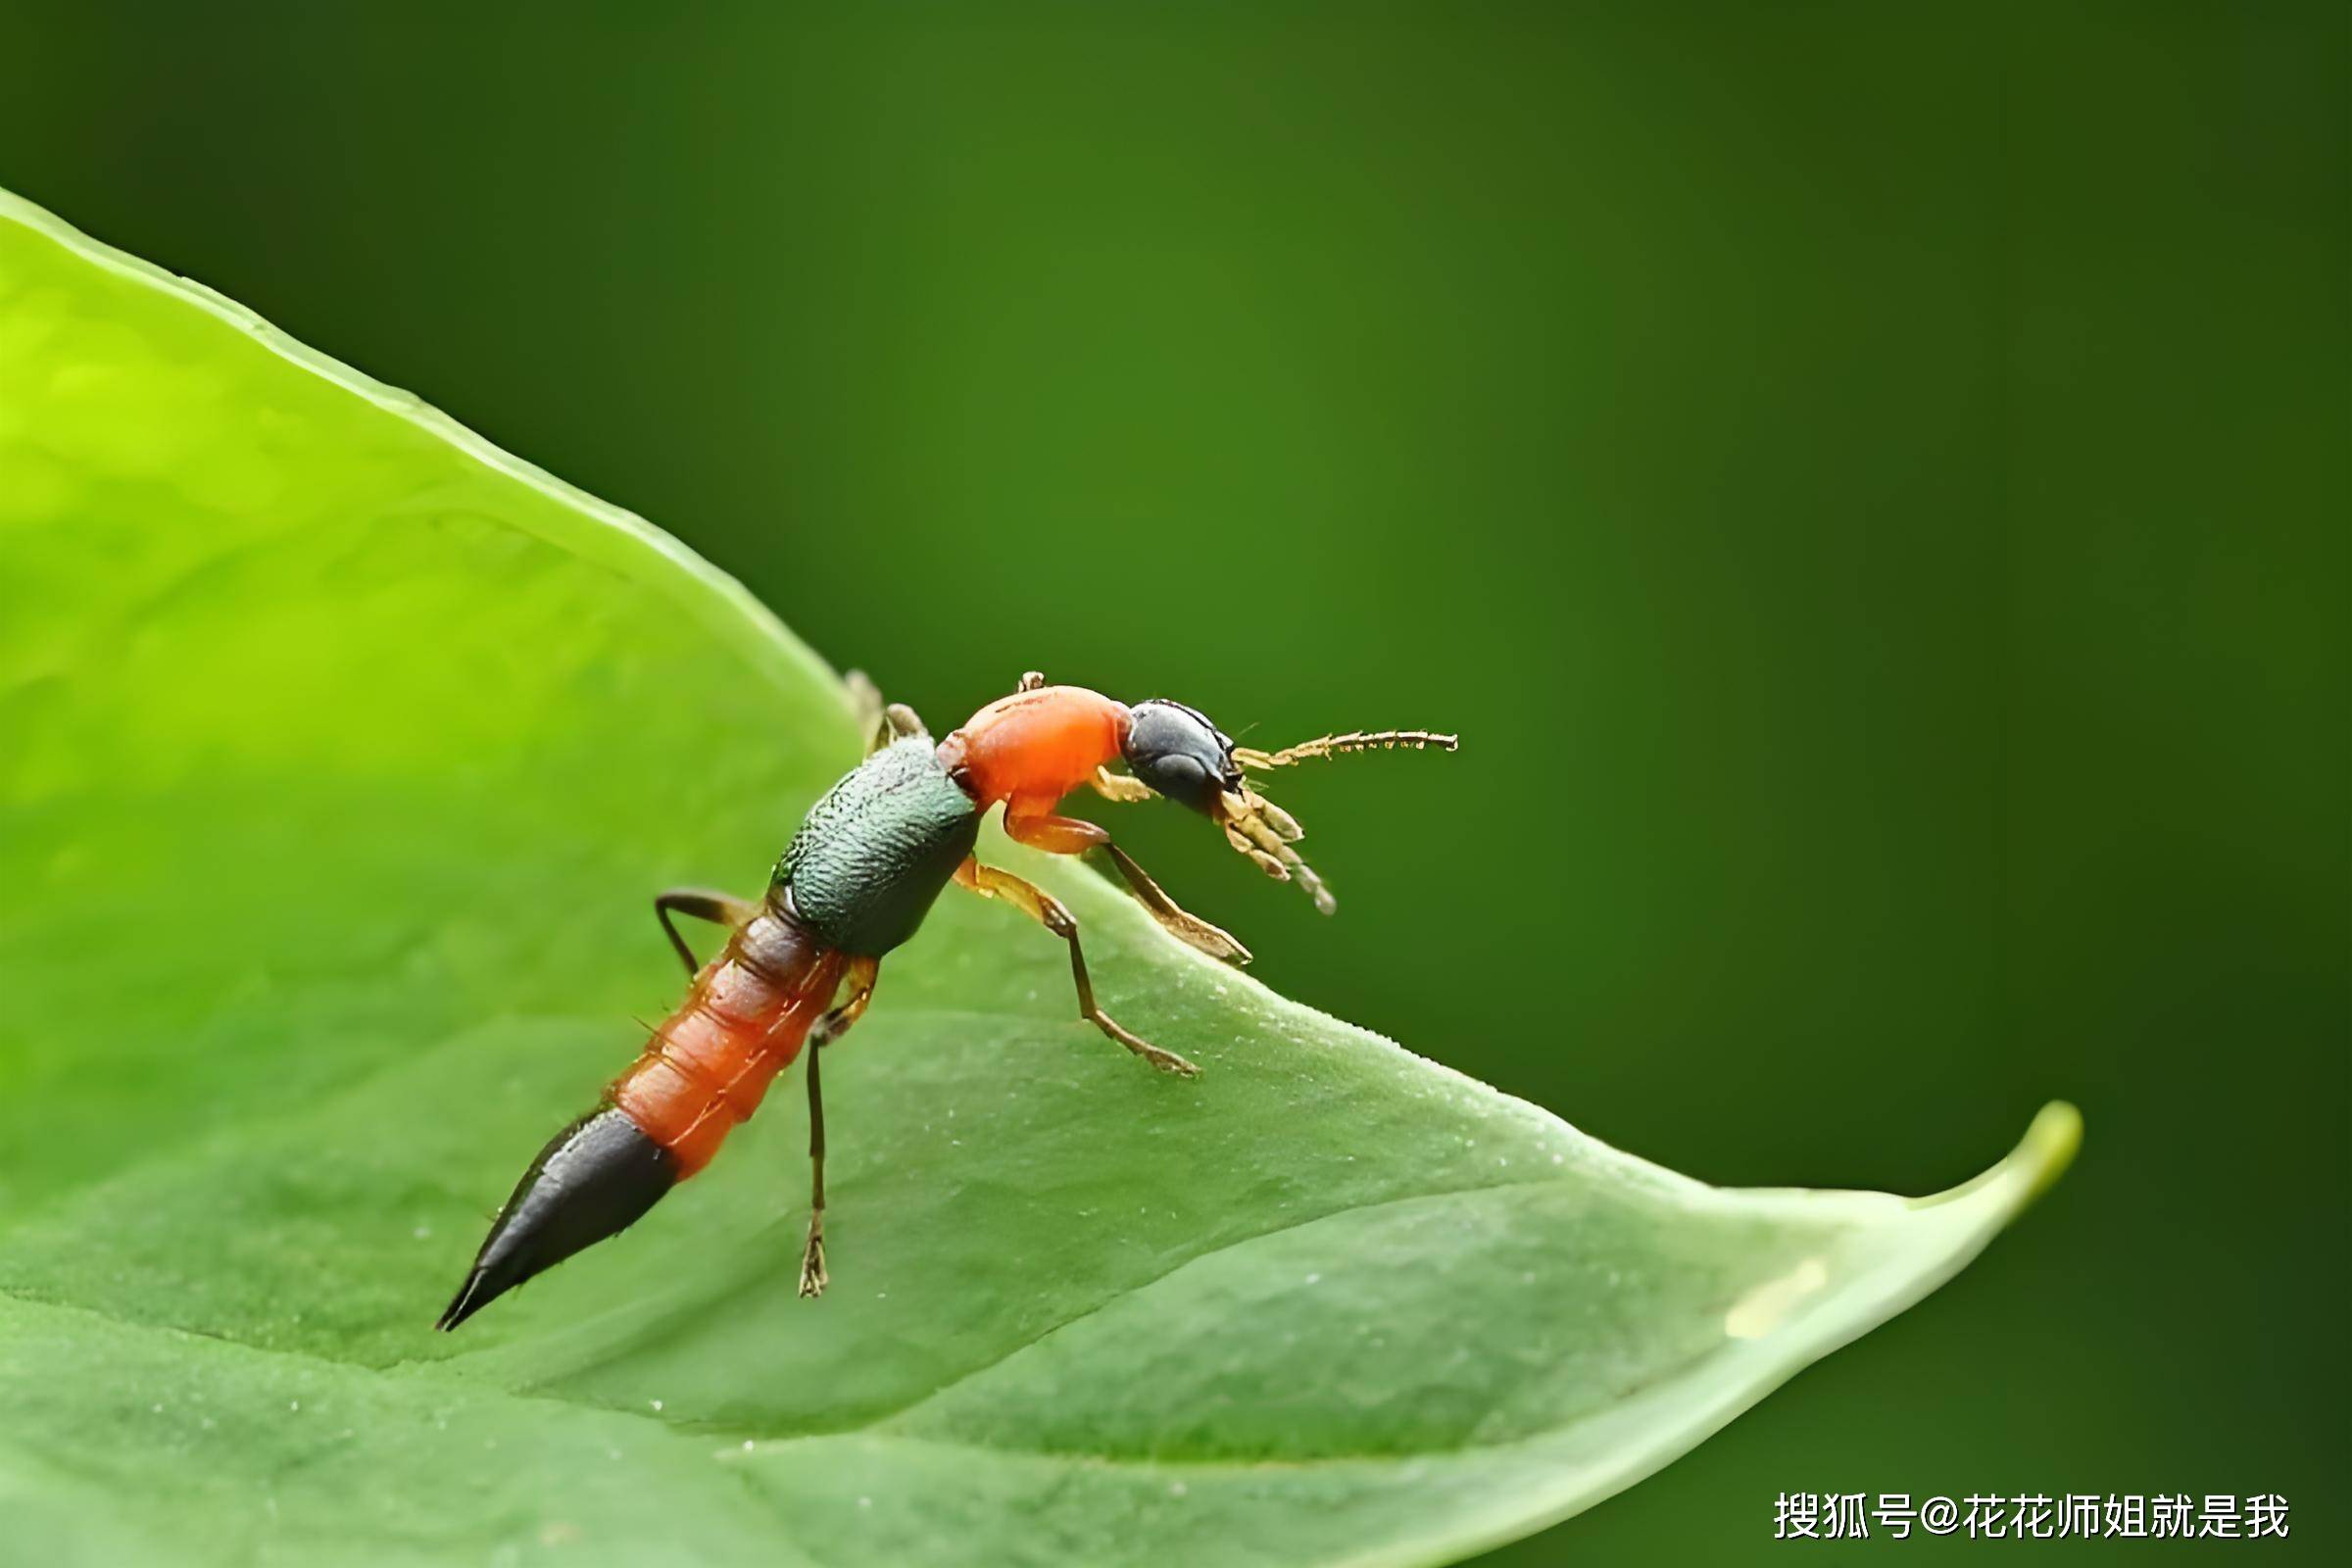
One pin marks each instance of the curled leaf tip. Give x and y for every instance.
(2048, 1147)
(2026, 1171)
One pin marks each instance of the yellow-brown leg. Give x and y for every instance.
(1069, 834)
(1216, 940)
(1047, 911)
(1040, 829)
(860, 977)
(829, 1028)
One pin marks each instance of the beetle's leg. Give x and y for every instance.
(1068, 835)
(718, 908)
(1032, 822)
(829, 1028)
(878, 721)
(865, 700)
(813, 1255)
(1179, 921)
(1047, 910)
(1121, 787)
(860, 977)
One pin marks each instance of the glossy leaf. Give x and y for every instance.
(342, 753)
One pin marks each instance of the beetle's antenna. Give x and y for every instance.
(1358, 740)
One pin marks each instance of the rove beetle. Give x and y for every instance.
(856, 882)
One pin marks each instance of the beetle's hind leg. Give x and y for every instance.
(1047, 911)
(698, 903)
(812, 1253)
(829, 1028)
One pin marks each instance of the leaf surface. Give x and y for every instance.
(342, 753)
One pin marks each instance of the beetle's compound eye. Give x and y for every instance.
(1179, 754)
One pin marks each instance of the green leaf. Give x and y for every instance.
(341, 755)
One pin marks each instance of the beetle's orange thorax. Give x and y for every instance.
(1035, 746)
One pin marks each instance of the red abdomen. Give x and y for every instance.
(710, 1063)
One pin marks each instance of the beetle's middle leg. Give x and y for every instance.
(698, 903)
(829, 1028)
(1070, 835)
(1047, 911)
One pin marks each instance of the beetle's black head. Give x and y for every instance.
(1176, 751)
(1181, 755)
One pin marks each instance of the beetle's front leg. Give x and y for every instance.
(1177, 920)
(1070, 835)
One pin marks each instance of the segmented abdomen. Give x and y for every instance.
(710, 1063)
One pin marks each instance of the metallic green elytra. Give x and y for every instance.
(874, 854)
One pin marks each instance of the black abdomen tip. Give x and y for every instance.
(592, 1180)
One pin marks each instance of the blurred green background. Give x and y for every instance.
(1868, 483)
